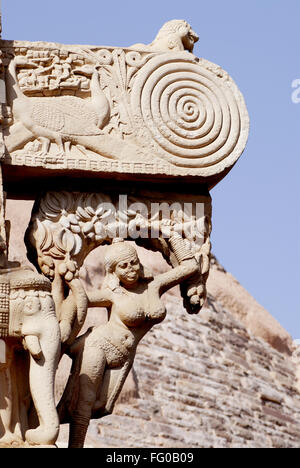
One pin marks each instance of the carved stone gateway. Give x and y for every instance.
(118, 147)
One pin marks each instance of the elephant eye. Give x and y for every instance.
(32, 305)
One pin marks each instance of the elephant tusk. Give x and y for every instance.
(33, 345)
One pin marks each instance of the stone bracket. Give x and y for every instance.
(66, 226)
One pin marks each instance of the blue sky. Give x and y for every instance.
(256, 233)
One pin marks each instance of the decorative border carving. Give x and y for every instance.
(169, 113)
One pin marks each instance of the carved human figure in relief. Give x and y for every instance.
(103, 356)
(175, 35)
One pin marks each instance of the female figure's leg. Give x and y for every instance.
(91, 374)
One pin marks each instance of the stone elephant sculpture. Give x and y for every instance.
(30, 330)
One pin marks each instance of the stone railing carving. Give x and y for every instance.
(114, 145)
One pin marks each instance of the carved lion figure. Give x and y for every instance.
(175, 35)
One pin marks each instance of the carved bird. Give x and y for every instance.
(175, 35)
(60, 119)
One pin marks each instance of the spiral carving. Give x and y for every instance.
(193, 111)
(104, 57)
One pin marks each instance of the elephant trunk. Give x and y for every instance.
(32, 317)
(32, 343)
(44, 348)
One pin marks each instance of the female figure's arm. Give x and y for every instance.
(188, 266)
(71, 301)
(172, 278)
(100, 298)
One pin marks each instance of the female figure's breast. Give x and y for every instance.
(156, 311)
(130, 311)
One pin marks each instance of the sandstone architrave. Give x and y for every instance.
(131, 114)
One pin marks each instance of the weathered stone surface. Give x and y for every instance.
(156, 115)
(130, 112)
(242, 305)
(215, 400)
(225, 404)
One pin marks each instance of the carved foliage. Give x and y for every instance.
(66, 226)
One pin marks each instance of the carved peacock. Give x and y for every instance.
(62, 119)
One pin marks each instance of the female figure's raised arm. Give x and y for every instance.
(188, 266)
(168, 280)
(100, 298)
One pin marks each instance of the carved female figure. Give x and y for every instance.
(103, 356)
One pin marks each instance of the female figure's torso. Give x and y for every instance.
(132, 314)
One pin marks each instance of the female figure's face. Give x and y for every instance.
(128, 270)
